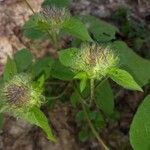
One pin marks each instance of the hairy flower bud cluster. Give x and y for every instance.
(19, 94)
(54, 16)
(96, 60)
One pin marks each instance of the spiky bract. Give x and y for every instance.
(19, 94)
(54, 17)
(96, 60)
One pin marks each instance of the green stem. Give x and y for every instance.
(55, 40)
(92, 127)
(96, 134)
(92, 91)
(61, 94)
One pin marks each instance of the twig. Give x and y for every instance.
(28, 4)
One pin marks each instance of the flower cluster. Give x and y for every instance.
(54, 16)
(19, 94)
(95, 60)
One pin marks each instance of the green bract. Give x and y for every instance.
(95, 60)
(19, 95)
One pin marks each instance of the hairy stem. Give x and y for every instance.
(91, 91)
(92, 127)
(55, 40)
(96, 134)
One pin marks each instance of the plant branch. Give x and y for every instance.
(92, 127)
(91, 91)
(98, 84)
(90, 123)
(63, 92)
(55, 40)
(28, 4)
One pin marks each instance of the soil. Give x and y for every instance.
(19, 135)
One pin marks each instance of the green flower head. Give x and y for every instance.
(95, 60)
(54, 16)
(19, 94)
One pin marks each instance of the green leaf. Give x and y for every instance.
(124, 79)
(80, 116)
(23, 59)
(75, 97)
(1, 120)
(77, 29)
(140, 127)
(138, 43)
(10, 69)
(43, 65)
(101, 30)
(83, 83)
(81, 75)
(115, 116)
(36, 116)
(61, 72)
(67, 56)
(34, 28)
(84, 135)
(1, 81)
(57, 3)
(98, 120)
(39, 83)
(83, 80)
(134, 64)
(104, 98)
